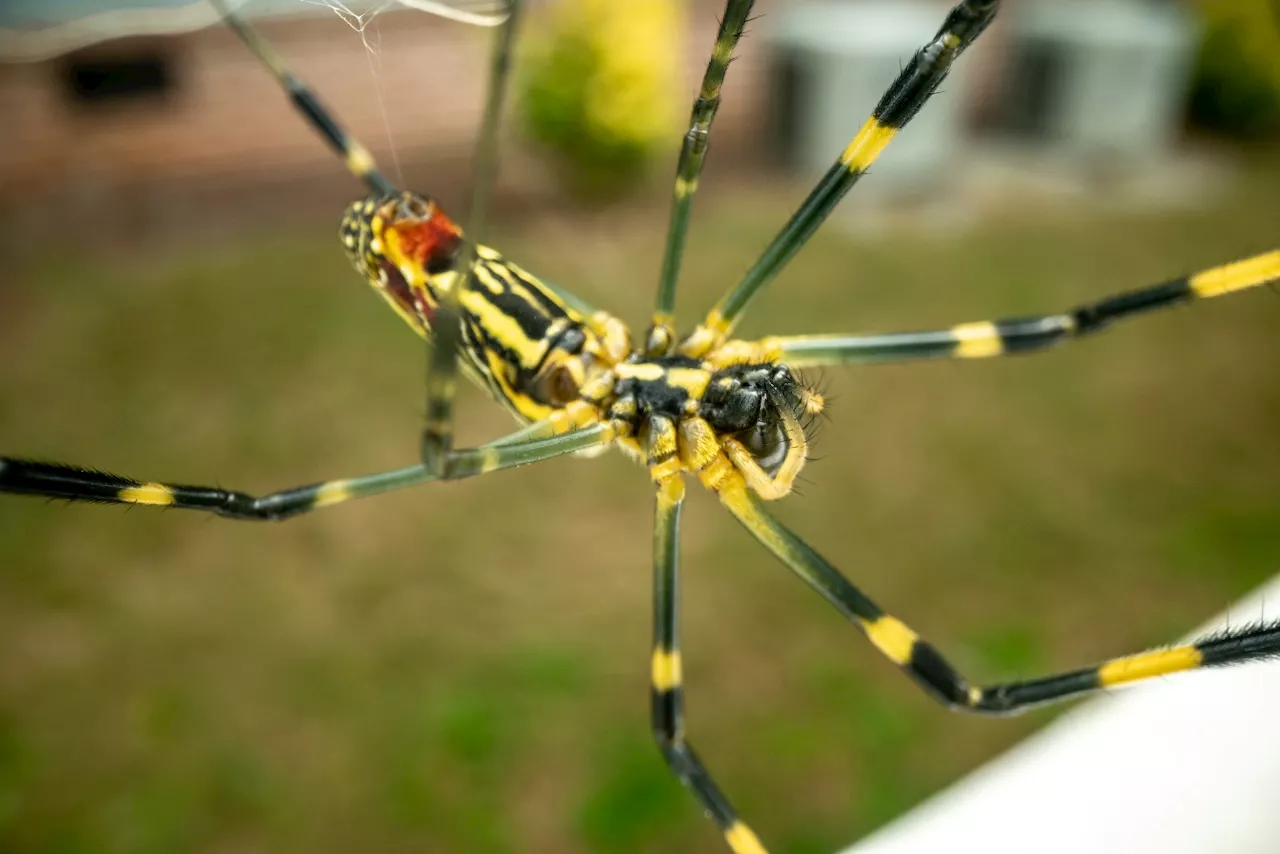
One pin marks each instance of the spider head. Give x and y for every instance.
(762, 414)
(398, 243)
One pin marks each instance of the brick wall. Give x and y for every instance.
(224, 139)
(224, 119)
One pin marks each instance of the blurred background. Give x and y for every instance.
(464, 667)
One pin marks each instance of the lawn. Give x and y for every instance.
(464, 668)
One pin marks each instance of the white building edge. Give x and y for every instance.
(1187, 764)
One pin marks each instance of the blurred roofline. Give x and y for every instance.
(34, 30)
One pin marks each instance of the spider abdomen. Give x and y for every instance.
(520, 340)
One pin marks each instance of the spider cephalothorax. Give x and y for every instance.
(756, 414)
(762, 413)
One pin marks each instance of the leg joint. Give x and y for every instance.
(940, 680)
(676, 753)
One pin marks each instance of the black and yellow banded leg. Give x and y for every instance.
(442, 358)
(693, 153)
(927, 667)
(899, 104)
(57, 480)
(667, 686)
(988, 338)
(358, 159)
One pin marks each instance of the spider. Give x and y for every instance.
(732, 413)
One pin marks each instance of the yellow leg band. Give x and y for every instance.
(1238, 276)
(667, 671)
(333, 492)
(147, 493)
(892, 637)
(867, 145)
(977, 340)
(1148, 664)
(742, 840)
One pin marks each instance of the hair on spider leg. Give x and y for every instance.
(812, 425)
(811, 420)
(1256, 640)
(742, 31)
(818, 382)
(807, 481)
(810, 378)
(801, 480)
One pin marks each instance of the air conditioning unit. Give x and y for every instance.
(833, 61)
(1099, 76)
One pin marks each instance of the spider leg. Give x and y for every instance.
(442, 359)
(781, 482)
(56, 480)
(693, 153)
(933, 673)
(1011, 336)
(899, 104)
(667, 689)
(358, 159)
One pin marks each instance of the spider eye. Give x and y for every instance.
(356, 233)
(767, 444)
(415, 207)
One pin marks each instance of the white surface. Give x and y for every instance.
(1122, 67)
(1188, 764)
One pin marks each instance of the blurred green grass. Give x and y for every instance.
(464, 667)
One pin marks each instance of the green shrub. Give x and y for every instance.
(1236, 85)
(601, 89)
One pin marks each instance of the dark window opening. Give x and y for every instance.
(789, 81)
(117, 79)
(1039, 72)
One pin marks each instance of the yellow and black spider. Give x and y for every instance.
(731, 412)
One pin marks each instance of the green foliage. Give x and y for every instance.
(601, 91)
(1236, 86)
(465, 669)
